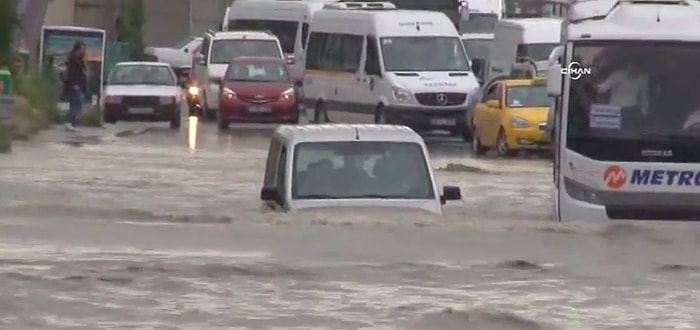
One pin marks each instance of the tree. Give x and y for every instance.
(130, 27)
(8, 23)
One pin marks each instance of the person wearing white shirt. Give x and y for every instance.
(629, 90)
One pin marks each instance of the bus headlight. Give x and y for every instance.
(581, 192)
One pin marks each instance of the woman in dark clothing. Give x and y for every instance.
(74, 84)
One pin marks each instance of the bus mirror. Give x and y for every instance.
(554, 80)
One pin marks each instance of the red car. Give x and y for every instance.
(257, 90)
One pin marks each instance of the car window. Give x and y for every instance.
(280, 176)
(271, 166)
(142, 75)
(491, 92)
(332, 170)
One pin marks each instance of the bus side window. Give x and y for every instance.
(304, 35)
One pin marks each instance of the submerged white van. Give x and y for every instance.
(351, 166)
(524, 45)
(288, 20)
(402, 66)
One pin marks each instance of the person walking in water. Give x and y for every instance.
(74, 84)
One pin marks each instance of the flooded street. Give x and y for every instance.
(139, 232)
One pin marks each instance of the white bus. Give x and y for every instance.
(635, 154)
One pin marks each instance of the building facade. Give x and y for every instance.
(167, 21)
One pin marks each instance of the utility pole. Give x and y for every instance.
(189, 17)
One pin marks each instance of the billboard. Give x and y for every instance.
(57, 43)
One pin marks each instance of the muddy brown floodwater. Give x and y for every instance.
(138, 232)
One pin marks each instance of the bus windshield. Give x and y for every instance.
(424, 54)
(639, 101)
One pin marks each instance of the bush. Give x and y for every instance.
(27, 120)
(92, 117)
(41, 93)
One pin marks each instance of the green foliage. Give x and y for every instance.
(130, 28)
(43, 94)
(8, 22)
(92, 117)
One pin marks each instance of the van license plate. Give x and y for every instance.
(443, 122)
(140, 111)
(255, 109)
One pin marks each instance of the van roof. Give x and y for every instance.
(238, 5)
(244, 35)
(531, 22)
(391, 22)
(347, 132)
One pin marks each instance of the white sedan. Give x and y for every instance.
(142, 91)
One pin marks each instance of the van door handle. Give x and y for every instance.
(335, 91)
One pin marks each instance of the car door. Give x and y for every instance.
(493, 114)
(484, 115)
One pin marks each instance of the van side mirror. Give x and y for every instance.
(450, 193)
(269, 194)
(554, 80)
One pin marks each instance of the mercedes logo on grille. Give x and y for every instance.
(441, 99)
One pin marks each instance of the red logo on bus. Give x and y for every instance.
(615, 177)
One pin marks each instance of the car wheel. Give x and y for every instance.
(321, 113)
(175, 123)
(502, 145)
(380, 115)
(477, 147)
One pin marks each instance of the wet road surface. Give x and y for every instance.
(139, 232)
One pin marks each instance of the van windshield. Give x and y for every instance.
(424, 54)
(354, 170)
(224, 51)
(285, 31)
(478, 23)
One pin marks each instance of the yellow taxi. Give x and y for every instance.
(512, 116)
